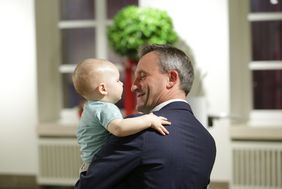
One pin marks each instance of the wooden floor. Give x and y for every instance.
(29, 182)
(219, 185)
(212, 186)
(38, 187)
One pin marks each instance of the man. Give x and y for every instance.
(182, 159)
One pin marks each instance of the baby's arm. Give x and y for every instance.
(130, 126)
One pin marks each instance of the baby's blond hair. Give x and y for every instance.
(87, 76)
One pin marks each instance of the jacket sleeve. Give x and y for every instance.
(113, 163)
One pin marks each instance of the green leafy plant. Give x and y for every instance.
(134, 27)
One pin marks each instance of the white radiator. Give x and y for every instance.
(59, 161)
(256, 165)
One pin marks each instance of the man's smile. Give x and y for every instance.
(140, 94)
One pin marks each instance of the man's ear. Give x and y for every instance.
(102, 89)
(172, 78)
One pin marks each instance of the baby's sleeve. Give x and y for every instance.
(109, 113)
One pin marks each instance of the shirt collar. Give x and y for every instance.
(161, 105)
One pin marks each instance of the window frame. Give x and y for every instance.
(49, 56)
(100, 24)
(241, 64)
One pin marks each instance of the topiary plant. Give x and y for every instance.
(134, 27)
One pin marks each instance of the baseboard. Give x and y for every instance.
(18, 181)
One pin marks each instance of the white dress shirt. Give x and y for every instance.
(161, 105)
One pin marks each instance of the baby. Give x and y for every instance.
(98, 82)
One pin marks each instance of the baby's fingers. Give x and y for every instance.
(165, 122)
(162, 130)
(162, 118)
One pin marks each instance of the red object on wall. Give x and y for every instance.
(129, 100)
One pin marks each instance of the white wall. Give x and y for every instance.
(18, 145)
(204, 26)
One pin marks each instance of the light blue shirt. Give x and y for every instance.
(92, 130)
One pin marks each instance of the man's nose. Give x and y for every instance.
(133, 87)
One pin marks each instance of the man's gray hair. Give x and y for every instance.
(172, 58)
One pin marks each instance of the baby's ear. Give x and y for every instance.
(102, 89)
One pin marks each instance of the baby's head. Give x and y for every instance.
(98, 79)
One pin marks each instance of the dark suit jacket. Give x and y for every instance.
(181, 160)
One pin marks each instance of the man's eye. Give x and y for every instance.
(142, 76)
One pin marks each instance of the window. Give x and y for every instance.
(72, 31)
(266, 65)
(260, 25)
(83, 26)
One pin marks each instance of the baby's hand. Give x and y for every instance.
(158, 122)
